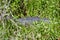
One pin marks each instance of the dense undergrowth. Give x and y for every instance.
(10, 30)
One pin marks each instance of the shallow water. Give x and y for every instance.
(30, 20)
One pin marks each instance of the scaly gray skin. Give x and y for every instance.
(30, 20)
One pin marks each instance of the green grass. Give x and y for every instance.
(38, 31)
(9, 30)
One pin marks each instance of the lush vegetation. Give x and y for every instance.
(10, 30)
